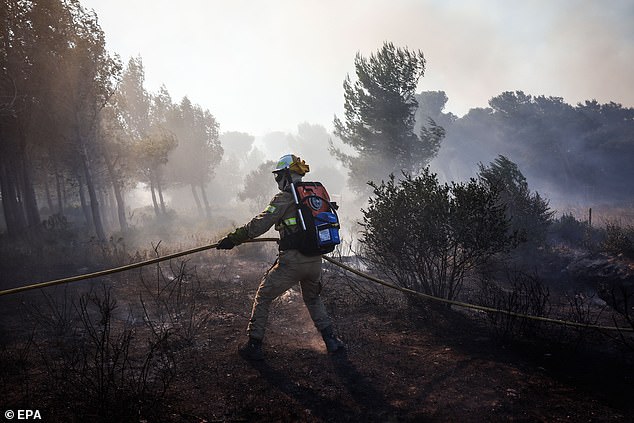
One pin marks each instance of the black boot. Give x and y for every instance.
(333, 344)
(252, 350)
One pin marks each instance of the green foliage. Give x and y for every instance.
(431, 105)
(426, 236)
(152, 150)
(199, 151)
(55, 77)
(379, 121)
(583, 149)
(71, 121)
(528, 213)
(259, 186)
(132, 101)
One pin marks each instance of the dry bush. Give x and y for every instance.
(356, 288)
(115, 367)
(618, 239)
(16, 378)
(587, 310)
(172, 304)
(526, 294)
(104, 368)
(569, 230)
(623, 302)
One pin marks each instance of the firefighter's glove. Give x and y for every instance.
(225, 244)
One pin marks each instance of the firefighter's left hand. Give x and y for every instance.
(225, 244)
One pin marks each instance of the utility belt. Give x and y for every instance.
(290, 241)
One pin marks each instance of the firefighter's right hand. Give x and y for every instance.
(225, 244)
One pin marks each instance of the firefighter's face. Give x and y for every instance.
(281, 180)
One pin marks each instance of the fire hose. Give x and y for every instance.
(329, 259)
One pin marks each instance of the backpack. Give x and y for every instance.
(319, 233)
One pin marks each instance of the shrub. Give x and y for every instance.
(99, 366)
(618, 239)
(529, 214)
(426, 236)
(526, 294)
(570, 230)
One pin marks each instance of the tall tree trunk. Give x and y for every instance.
(157, 212)
(17, 199)
(64, 194)
(160, 193)
(12, 177)
(12, 208)
(204, 195)
(116, 186)
(84, 204)
(47, 192)
(123, 222)
(92, 193)
(3, 196)
(60, 198)
(103, 207)
(30, 200)
(112, 206)
(198, 206)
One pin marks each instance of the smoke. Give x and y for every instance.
(262, 69)
(290, 58)
(590, 45)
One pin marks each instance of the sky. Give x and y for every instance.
(269, 65)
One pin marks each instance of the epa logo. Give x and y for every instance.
(23, 415)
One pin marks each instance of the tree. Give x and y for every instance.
(58, 76)
(379, 117)
(240, 156)
(577, 154)
(118, 154)
(95, 74)
(133, 100)
(259, 186)
(312, 144)
(529, 214)
(426, 236)
(431, 105)
(143, 123)
(199, 151)
(237, 143)
(151, 154)
(30, 34)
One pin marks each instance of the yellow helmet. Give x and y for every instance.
(292, 163)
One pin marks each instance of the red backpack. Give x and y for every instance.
(318, 218)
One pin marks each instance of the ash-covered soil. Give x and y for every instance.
(402, 363)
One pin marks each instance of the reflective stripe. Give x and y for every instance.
(270, 209)
(290, 221)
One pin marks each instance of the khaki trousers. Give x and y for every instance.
(291, 267)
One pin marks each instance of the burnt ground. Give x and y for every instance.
(402, 363)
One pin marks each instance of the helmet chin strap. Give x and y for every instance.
(285, 183)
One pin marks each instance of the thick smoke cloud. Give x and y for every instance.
(264, 67)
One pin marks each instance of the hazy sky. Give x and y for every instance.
(267, 65)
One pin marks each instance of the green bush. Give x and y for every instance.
(426, 236)
(529, 214)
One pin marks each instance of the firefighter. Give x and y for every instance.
(290, 267)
